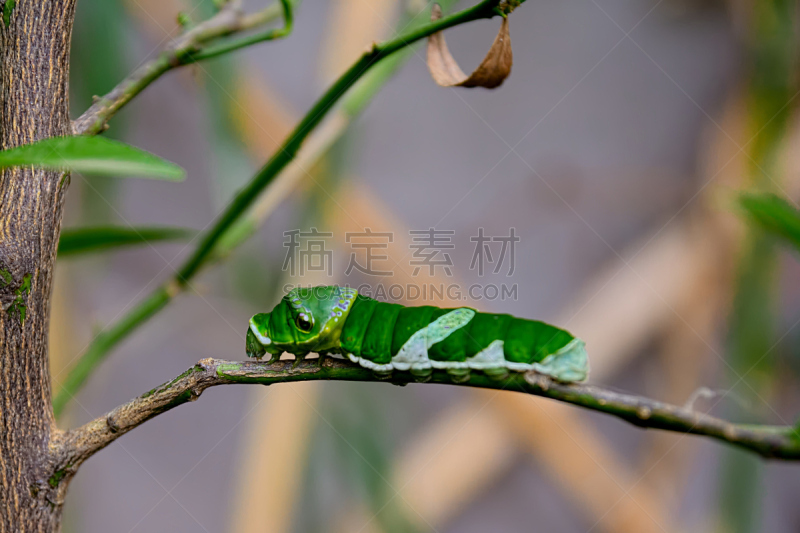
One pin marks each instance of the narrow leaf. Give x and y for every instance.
(91, 155)
(492, 71)
(773, 214)
(8, 8)
(76, 241)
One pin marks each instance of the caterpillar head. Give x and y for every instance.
(306, 320)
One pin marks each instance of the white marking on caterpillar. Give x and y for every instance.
(568, 364)
(414, 353)
(366, 363)
(492, 356)
(261, 338)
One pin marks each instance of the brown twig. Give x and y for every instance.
(73, 447)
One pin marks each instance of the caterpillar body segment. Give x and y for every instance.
(385, 337)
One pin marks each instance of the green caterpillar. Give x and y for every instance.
(385, 337)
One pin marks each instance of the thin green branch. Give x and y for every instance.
(75, 446)
(225, 227)
(194, 45)
(236, 44)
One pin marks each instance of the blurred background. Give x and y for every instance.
(613, 151)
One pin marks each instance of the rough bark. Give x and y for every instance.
(34, 68)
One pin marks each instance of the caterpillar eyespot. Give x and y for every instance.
(303, 323)
(385, 337)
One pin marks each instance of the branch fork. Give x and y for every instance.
(195, 44)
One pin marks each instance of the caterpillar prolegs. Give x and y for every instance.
(385, 337)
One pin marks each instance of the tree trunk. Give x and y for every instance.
(34, 70)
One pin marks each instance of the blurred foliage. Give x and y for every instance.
(772, 84)
(774, 215)
(772, 80)
(251, 274)
(98, 50)
(76, 241)
(99, 61)
(361, 458)
(231, 162)
(751, 328)
(370, 469)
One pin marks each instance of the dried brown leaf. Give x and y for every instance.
(492, 71)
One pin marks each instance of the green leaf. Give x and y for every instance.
(8, 7)
(76, 241)
(91, 155)
(773, 214)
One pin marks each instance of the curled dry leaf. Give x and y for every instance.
(492, 71)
